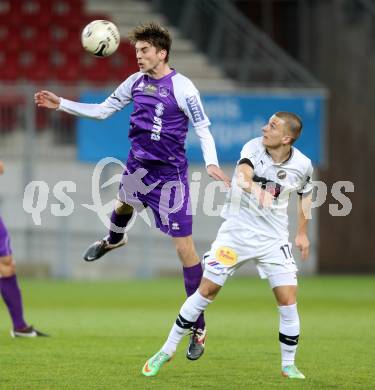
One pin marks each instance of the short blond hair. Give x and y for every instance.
(293, 123)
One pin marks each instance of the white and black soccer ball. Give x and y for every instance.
(100, 38)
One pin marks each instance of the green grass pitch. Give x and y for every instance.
(102, 333)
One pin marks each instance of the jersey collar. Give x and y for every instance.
(283, 162)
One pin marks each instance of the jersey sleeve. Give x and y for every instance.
(306, 186)
(249, 151)
(115, 102)
(189, 101)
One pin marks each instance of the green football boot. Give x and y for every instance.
(155, 363)
(292, 372)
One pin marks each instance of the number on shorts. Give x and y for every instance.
(286, 250)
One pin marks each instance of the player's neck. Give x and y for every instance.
(280, 154)
(160, 71)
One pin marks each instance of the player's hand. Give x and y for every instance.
(303, 244)
(47, 99)
(216, 173)
(1, 167)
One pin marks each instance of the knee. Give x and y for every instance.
(285, 295)
(208, 290)
(287, 301)
(7, 266)
(183, 250)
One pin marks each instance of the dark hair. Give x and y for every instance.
(154, 34)
(293, 123)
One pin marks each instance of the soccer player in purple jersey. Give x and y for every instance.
(9, 289)
(164, 102)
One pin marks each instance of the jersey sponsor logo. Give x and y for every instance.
(159, 109)
(281, 174)
(273, 188)
(226, 256)
(157, 123)
(150, 89)
(164, 91)
(195, 109)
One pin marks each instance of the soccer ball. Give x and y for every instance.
(100, 38)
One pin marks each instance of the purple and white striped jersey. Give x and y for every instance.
(159, 122)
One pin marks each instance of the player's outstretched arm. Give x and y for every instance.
(217, 173)
(304, 214)
(1, 167)
(47, 99)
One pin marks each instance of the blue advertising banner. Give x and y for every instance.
(235, 119)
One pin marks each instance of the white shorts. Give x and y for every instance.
(234, 246)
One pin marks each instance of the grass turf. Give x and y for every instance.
(102, 333)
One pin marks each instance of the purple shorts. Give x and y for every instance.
(163, 188)
(5, 248)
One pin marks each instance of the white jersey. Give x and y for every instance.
(280, 179)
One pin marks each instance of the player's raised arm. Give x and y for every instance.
(115, 102)
(49, 100)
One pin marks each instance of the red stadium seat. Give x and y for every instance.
(9, 65)
(32, 65)
(96, 70)
(48, 46)
(64, 66)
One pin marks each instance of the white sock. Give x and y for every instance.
(189, 314)
(288, 333)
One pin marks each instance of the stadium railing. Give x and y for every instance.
(231, 41)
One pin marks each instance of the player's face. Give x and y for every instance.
(148, 57)
(274, 133)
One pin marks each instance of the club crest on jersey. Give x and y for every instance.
(226, 256)
(281, 174)
(150, 89)
(163, 91)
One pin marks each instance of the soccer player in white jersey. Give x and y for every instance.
(164, 102)
(256, 229)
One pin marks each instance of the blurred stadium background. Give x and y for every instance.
(247, 58)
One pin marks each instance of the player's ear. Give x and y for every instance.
(162, 54)
(287, 139)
